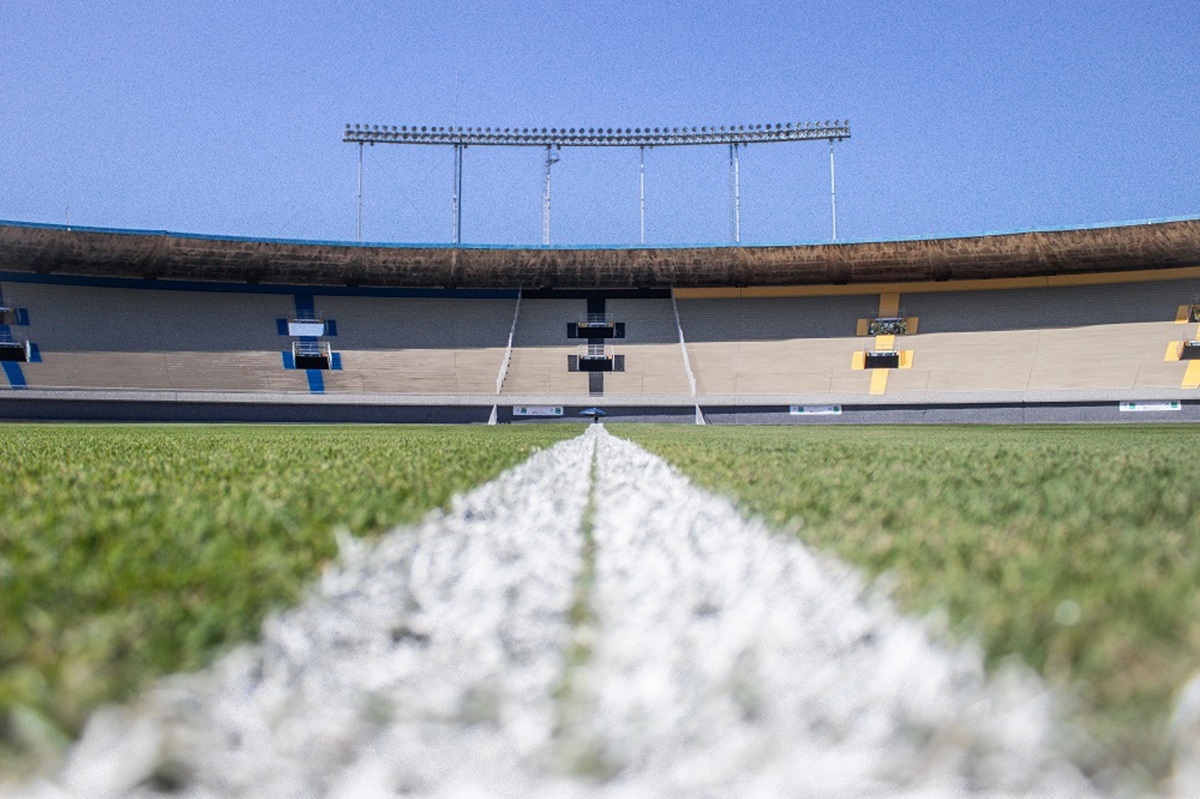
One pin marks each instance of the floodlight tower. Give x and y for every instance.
(554, 139)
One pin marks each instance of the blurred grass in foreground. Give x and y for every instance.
(128, 552)
(1074, 548)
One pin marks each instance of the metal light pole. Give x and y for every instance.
(458, 170)
(360, 162)
(832, 192)
(735, 194)
(551, 159)
(642, 190)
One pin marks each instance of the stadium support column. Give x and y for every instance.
(458, 168)
(832, 192)
(735, 198)
(551, 160)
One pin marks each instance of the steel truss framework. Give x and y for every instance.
(552, 139)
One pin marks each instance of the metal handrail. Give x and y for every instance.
(311, 348)
(597, 320)
(595, 351)
(888, 326)
(512, 331)
(687, 364)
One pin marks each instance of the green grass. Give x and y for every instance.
(1075, 548)
(127, 552)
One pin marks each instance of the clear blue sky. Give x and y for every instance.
(226, 117)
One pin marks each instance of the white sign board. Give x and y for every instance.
(537, 410)
(313, 329)
(1171, 405)
(816, 410)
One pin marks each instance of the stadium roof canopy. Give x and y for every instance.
(52, 249)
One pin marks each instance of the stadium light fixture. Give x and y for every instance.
(598, 137)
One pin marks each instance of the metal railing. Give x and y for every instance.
(888, 326)
(311, 349)
(16, 350)
(595, 352)
(512, 331)
(597, 320)
(687, 364)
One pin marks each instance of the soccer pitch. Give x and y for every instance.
(128, 552)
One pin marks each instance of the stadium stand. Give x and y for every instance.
(1022, 339)
(973, 324)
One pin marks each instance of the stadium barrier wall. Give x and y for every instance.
(17, 408)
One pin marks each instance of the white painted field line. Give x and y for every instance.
(716, 659)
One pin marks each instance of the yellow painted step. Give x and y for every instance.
(1191, 378)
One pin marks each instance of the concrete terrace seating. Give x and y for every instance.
(111, 338)
(653, 361)
(773, 318)
(152, 339)
(1096, 357)
(1047, 339)
(167, 371)
(978, 343)
(423, 323)
(541, 347)
(89, 319)
(416, 371)
(1068, 338)
(778, 345)
(401, 345)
